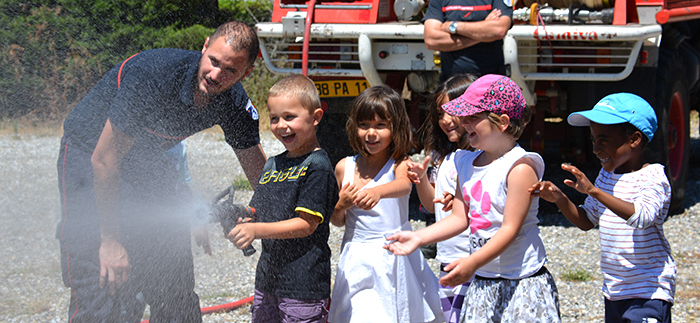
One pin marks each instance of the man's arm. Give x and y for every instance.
(253, 161)
(106, 162)
(469, 33)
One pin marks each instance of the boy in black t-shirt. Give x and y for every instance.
(294, 198)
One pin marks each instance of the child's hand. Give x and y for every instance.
(546, 190)
(417, 171)
(582, 184)
(404, 243)
(459, 272)
(367, 199)
(242, 235)
(347, 195)
(446, 201)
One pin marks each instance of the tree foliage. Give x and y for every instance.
(53, 52)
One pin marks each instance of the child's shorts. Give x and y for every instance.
(268, 308)
(638, 310)
(452, 298)
(532, 299)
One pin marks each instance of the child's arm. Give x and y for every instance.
(551, 193)
(346, 198)
(368, 198)
(408, 241)
(520, 178)
(623, 209)
(418, 174)
(303, 226)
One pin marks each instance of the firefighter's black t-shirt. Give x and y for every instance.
(482, 58)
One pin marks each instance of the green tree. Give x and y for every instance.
(53, 52)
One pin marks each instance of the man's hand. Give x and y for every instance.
(114, 265)
(201, 237)
(494, 15)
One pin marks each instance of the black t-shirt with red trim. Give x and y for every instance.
(482, 58)
(296, 268)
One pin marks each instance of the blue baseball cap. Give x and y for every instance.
(619, 108)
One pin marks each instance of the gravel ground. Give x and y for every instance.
(31, 289)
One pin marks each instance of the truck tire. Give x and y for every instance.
(671, 143)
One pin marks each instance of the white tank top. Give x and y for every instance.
(446, 180)
(388, 216)
(484, 190)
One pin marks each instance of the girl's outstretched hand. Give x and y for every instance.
(459, 272)
(546, 190)
(367, 199)
(582, 184)
(416, 171)
(446, 200)
(402, 243)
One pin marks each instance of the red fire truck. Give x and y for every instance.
(565, 56)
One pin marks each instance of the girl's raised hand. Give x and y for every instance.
(367, 199)
(417, 171)
(459, 272)
(402, 243)
(446, 200)
(582, 184)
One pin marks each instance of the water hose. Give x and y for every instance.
(307, 35)
(223, 307)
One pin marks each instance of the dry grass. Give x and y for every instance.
(25, 126)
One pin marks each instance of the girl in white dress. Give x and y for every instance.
(371, 284)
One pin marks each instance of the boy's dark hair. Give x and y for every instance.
(629, 129)
(300, 87)
(240, 37)
(434, 139)
(388, 105)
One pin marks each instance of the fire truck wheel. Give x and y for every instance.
(671, 143)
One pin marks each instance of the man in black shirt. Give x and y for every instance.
(124, 240)
(468, 34)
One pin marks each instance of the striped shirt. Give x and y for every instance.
(635, 256)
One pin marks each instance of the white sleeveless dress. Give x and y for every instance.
(372, 284)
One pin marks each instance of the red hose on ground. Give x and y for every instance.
(223, 307)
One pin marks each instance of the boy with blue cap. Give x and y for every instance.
(629, 202)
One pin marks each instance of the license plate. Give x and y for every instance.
(341, 88)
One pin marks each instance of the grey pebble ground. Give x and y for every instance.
(31, 289)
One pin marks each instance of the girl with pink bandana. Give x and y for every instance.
(510, 282)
